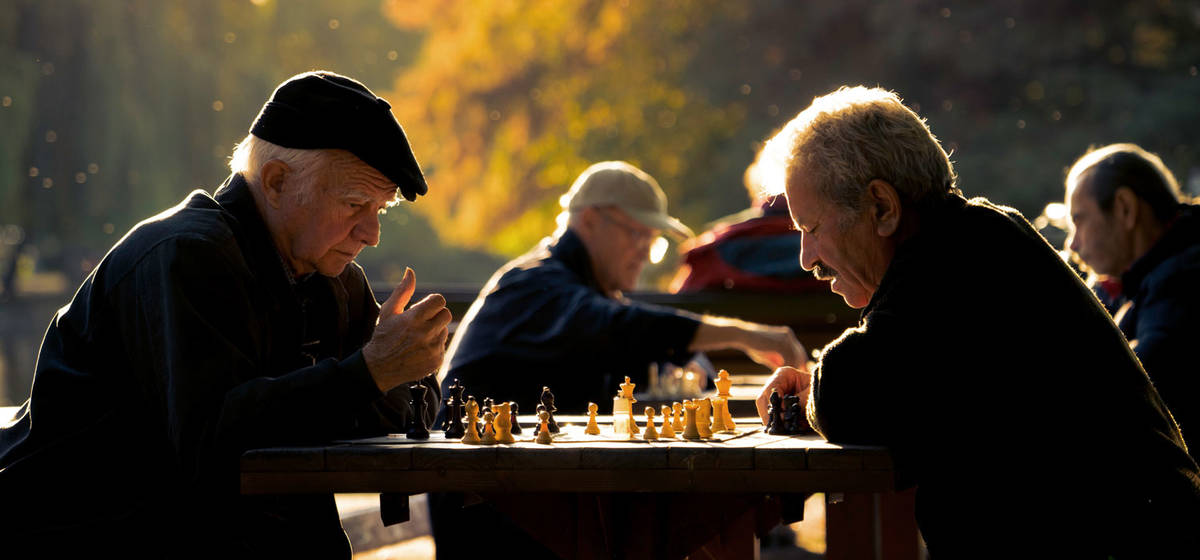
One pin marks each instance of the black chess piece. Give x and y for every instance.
(454, 412)
(483, 410)
(548, 401)
(775, 414)
(417, 428)
(487, 406)
(516, 425)
(793, 413)
(537, 426)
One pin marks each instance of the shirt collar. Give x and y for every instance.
(570, 250)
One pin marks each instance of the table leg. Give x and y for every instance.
(880, 526)
(668, 526)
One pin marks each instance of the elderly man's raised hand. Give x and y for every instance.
(408, 344)
(786, 381)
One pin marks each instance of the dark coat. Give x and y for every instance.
(542, 321)
(1010, 399)
(187, 345)
(1161, 318)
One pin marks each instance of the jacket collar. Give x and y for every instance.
(572, 253)
(934, 215)
(1182, 232)
(234, 195)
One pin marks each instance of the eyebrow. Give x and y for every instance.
(359, 194)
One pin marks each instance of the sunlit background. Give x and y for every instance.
(111, 111)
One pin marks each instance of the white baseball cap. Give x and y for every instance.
(617, 183)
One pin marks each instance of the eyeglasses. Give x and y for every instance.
(639, 235)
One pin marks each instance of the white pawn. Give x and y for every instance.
(592, 428)
(667, 431)
(489, 428)
(544, 429)
(650, 434)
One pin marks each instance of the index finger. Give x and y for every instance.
(428, 307)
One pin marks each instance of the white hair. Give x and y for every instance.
(856, 134)
(253, 152)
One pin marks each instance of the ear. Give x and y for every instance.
(273, 177)
(588, 219)
(1125, 208)
(885, 207)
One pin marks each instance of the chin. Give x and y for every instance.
(332, 270)
(856, 300)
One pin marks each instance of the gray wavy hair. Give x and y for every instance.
(853, 135)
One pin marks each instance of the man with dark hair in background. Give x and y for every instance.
(1131, 228)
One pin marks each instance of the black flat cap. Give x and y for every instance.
(322, 110)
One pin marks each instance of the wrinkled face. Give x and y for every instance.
(326, 229)
(620, 249)
(1095, 236)
(837, 244)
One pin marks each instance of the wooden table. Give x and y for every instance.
(741, 478)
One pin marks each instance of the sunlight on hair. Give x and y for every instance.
(769, 171)
(658, 249)
(1053, 215)
(1055, 212)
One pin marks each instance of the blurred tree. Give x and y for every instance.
(112, 111)
(515, 97)
(109, 111)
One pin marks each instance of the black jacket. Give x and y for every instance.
(187, 345)
(1161, 318)
(542, 321)
(1010, 399)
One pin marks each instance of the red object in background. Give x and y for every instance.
(757, 250)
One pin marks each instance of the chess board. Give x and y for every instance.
(568, 433)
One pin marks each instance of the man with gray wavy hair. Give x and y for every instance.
(232, 321)
(982, 361)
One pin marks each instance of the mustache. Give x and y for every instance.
(822, 272)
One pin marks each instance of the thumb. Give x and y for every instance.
(396, 302)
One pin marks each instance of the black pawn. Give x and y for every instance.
(417, 428)
(486, 408)
(775, 414)
(516, 425)
(548, 402)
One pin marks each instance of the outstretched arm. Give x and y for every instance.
(771, 346)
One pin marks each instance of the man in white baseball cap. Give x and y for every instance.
(619, 211)
(556, 317)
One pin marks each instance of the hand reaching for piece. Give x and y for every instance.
(787, 381)
(408, 344)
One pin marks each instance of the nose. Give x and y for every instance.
(808, 252)
(1073, 241)
(367, 230)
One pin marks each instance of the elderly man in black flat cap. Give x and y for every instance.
(228, 322)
